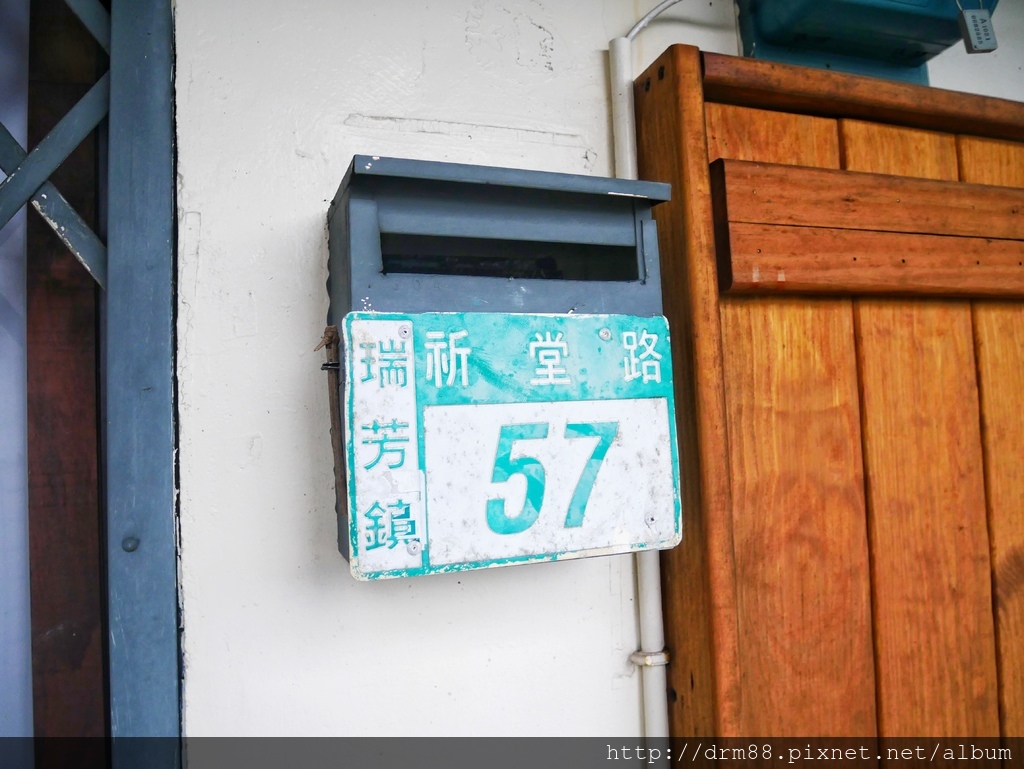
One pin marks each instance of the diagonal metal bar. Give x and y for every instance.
(95, 19)
(59, 214)
(46, 157)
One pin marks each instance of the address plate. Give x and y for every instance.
(481, 439)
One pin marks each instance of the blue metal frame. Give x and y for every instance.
(137, 269)
(140, 389)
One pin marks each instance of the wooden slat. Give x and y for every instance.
(759, 83)
(768, 193)
(65, 518)
(698, 576)
(802, 571)
(934, 638)
(799, 529)
(761, 258)
(882, 149)
(734, 132)
(999, 347)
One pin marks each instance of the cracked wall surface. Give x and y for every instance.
(273, 99)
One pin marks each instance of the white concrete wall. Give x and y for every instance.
(273, 99)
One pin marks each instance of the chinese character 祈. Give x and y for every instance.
(387, 439)
(646, 362)
(548, 353)
(446, 358)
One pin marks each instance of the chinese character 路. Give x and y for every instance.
(548, 352)
(641, 359)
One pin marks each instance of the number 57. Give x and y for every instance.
(533, 471)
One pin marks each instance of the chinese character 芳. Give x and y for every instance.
(390, 527)
(447, 359)
(548, 352)
(389, 440)
(641, 360)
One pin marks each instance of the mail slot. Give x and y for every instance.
(502, 383)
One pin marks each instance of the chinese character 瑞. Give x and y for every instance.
(388, 440)
(447, 359)
(393, 363)
(368, 360)
(548, 353)
(641, 360)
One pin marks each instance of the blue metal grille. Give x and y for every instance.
(136, 269)
(28, 173)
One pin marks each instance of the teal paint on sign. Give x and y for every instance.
(482, 439)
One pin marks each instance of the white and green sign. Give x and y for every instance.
(484, 439)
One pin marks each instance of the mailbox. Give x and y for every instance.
(501, 382)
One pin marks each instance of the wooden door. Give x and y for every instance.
(846, 299)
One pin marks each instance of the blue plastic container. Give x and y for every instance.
(889, 38)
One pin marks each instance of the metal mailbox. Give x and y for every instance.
(501, 375)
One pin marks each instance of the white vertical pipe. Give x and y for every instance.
(654, 679)
(15, 625)
(620, 61)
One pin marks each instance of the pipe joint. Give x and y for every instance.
(644, 659)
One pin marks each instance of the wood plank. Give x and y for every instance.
(990, 161)
(768, 193)
(799, 529)
(65, 520)
(698, 576)
(762, 258)
(799, 514)
(760, 83)
(934, 637)
(882, 149)
(999, 347)
(742, 133)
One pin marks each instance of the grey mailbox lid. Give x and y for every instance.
(423, 236)
(427, 170)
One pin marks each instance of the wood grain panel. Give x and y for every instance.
(999, 346)
(742, 133)
(761, 258)
(798, 510)
(799, 516)
(931, 587)
(882, 149)
(759, 83)
(698, 579)
(768, 193)
(65, 518)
